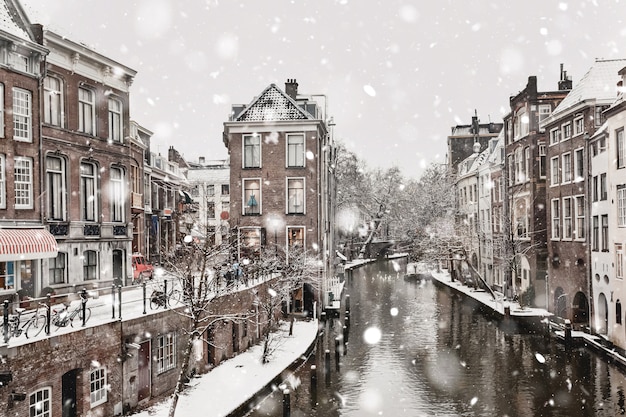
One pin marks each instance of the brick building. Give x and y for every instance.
(281, 181)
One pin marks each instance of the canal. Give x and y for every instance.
(417, 350)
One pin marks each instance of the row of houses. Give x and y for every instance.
(541, 199)
(82, 190)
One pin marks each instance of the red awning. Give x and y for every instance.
(23, 244)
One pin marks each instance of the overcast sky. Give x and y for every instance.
(398, 74)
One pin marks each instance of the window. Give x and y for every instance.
(542, 161)
(55, 184)
(621, 148)
(567, 218)
(580, 217)
(521, 125)
(579, 126)
(555, 136)
(56, 268)
(603, 192)
(97, 386)
(598, 115)
(296, 236)
(252, 151)
(210, 210)
(86, 108)
(618, 312)
(605, 232)
(115, 120)
(40, 403)
(52, 101)
(544, 112)
(579, 165)
(166, 352)
(621, 205)
(566, 167)
(23, 177)
(7, 275)
(595, 238)
(1, 110)
(252, 196)
(3, 183)
(554, 170)
(22, 115)
(251, 238)
(90, 265)
(118, 196)
(88, 192)
(594, 191)
(619, 261)
(295, 195)
(210, 190)
(295, 150)
(567, 131)
(225, 189)
(527, 167)
(556, 219)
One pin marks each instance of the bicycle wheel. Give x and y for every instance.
(155, 302)
(175, 298)
(80, 316)
(35, 325)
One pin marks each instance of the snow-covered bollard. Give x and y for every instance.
(286, 403)
(313, 385)
(568, 333)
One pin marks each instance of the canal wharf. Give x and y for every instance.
(532, 319)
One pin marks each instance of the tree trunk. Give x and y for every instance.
(182, 376)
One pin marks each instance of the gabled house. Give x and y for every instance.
(281, 177)
(569, 127)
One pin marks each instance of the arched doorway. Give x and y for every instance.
(602, 315)
(580, 309)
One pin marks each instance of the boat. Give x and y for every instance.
(417, 271)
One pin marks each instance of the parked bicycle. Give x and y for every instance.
(32, 327)
(66, 314)
(161, 298)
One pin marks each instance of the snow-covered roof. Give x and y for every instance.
(273, 105)
(12, 21)
(599, 84)
(495, 156)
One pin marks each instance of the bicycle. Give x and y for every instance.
(64, 316)
(159, 298)
(31, 327)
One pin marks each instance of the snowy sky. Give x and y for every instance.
(398, 73)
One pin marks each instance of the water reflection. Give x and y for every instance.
(438, 356)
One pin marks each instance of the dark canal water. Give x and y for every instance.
(436, 356)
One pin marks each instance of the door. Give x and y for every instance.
(118, 267)
(68, 393)
(143, 371)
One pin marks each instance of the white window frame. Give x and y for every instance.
(621, 205)
(56, 199)
(296, 228)
(58, 264)
(166, 352)
(116, 110)
(604, 232)
(554, 171)
(246, 196)
(579, 165)
(23, 182)
(88, 192)
(86, 111)
(294, 196)
(621, 148)
(90, 269)
(566, 168)
(566, 129)
(98, 386)
(295, 151)
(619, 261)
(22, 115)
(579, 225)
(20, 62)
(555, 213)
(579, 126)
(248, 154)
(2, 111)
(40, 402)
(555, 136)
(542, 161)
(545, 110)
(53, 101)
(568, 218)
(118, 194)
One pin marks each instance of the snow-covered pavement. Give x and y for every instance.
(235, 381)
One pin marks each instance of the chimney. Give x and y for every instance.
(291, 88)
(565, 83)
(201, 160)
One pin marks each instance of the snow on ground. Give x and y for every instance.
(235, 381)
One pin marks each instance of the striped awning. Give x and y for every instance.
(23, 244)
